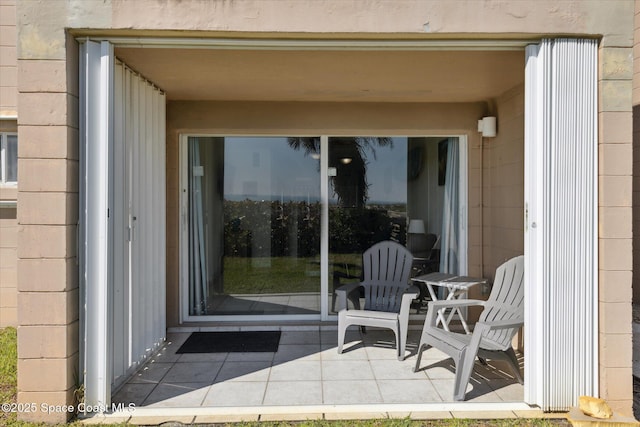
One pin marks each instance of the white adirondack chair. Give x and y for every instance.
(500, 320)
(387, 292)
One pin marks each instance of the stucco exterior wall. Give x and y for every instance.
(636, 156)
(8, 267)
(503, 183)
(8, 244)
(47, 217)
(8, 60)
(384, 18)
(615, 164)
(8, 123)
(47, 276)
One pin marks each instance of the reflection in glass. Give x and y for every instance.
(367, 200)
(379, 185)
(254, 219)
(255, 216)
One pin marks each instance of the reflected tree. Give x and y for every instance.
(348, 155)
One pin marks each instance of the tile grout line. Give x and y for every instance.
(375, 378)
(271, 362)
(159, 381)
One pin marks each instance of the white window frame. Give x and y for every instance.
(4, 137)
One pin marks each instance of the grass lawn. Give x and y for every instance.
(271, 275)
(274, 275)
(8, 371)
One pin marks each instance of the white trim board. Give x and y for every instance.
(311, 44)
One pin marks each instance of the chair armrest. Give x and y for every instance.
(436, 306)
(342, 293)
(501, 324)
(481, 329)
(409, 295)
(349, 287)
(439, 305)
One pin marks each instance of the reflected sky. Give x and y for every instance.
(267, 168)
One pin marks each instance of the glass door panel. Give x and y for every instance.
(385, 188)
(254, 225)
(367, 201)
(255, 215)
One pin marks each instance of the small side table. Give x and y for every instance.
(456, 287)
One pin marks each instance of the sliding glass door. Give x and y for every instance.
(253, 226)
(263, 237)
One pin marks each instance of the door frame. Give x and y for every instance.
(324, 314)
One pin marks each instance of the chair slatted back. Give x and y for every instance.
(386, 268)
(506, 301)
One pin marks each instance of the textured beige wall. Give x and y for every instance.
(615, 167)
(8, 216)
(47, 218)
(636, 156)
(8, 267)
(503, 183)
(43, 22)
(8, 246)
(8, 59)
(395, 18)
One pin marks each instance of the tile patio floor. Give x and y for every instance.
(306, 371)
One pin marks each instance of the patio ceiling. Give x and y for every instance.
(327, 76)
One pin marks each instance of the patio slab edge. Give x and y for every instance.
(151, 416)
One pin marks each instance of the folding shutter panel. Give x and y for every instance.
(561, 237)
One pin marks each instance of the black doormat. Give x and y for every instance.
(231, 342)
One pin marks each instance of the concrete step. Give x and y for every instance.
(578, 419)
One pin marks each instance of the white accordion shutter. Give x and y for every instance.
(561, 237)
(122, 220)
